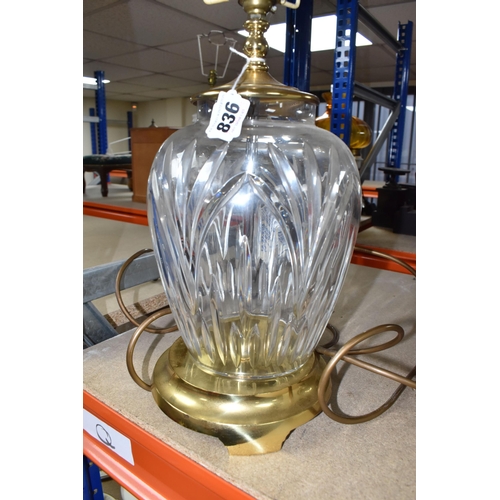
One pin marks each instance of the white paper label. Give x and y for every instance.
(105, 434)
(227, 117)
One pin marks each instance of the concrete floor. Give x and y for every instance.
(106, 241)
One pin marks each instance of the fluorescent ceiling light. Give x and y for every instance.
(87, 80)
(323, 31)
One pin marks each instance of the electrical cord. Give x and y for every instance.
(345, 353)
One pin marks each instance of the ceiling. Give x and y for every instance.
(148, 49)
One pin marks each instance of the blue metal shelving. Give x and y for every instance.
(297, 69)
(130, 125)
(401, 81)
(344, 62)
(92, 485)
(100, 103)
(344, 87)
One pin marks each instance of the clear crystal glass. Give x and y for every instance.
(253, 237)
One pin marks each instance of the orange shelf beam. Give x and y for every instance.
(369, 192)
(121, 214)
(159, 471)
(137, 216)
(118, 173)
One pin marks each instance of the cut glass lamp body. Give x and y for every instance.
(253, 238)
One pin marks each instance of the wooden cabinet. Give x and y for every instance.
(145, 144)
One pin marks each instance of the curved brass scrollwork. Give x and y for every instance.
(122, 305)
(141, 327)
(345, 353)
(133, 342)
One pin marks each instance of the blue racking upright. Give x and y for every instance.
(130, 126)
(297, 69)
(92, 485)
(344, 63)
(401, 82)
(100, 104)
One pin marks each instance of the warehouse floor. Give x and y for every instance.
(106, 241)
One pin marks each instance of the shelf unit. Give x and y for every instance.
(158, 471)
(154, 457)
(344, 87)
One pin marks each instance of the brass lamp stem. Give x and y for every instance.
(255, 82)
(256, 45)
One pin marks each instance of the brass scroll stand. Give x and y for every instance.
(346, 353)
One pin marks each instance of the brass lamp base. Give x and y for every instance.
(249, 416)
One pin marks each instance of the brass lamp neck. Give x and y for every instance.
(256, 82)
(256, 45)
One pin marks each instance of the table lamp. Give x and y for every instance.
(253, 233)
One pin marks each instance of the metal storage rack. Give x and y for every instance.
(344, 87)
